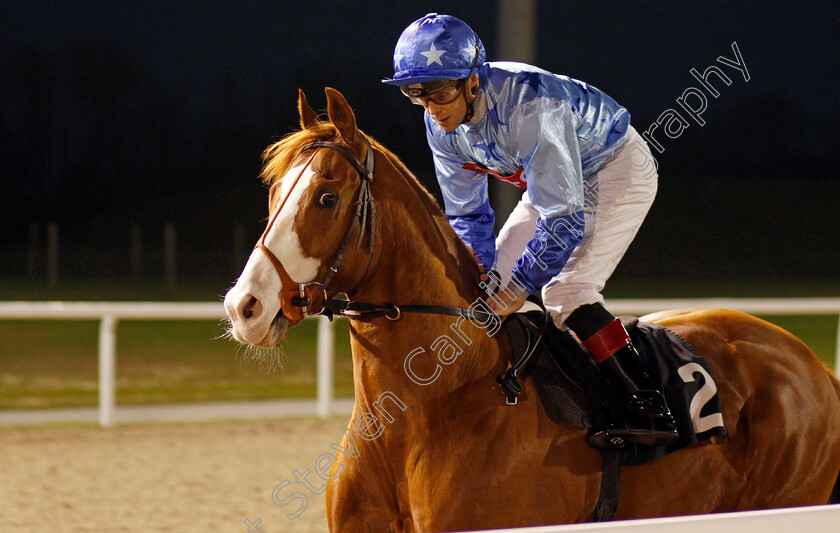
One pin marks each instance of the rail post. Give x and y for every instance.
(325, 366)
(107, 360)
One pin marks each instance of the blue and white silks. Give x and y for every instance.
(558, 130)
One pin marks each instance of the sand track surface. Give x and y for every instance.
(207, 477)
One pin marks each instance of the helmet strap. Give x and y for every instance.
(468, 116)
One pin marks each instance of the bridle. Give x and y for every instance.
(311, 298)
(364, 217)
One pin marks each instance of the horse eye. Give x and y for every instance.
(327, 199)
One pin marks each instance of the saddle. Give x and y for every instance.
(574, 394)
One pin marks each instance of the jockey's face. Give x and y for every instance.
(449, 109)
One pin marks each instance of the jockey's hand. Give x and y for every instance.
(508, 300)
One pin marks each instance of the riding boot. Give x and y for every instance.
(646, 418)
(643, 417)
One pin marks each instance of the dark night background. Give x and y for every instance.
(118, 113)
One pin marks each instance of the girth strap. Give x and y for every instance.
(607, 506)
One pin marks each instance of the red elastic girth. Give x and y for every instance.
(610, 339)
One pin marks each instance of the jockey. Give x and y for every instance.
(588, 180)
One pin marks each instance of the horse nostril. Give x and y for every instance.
(248, 312)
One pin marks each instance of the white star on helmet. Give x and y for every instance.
(433, 55)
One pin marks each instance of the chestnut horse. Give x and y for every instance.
(431, 444)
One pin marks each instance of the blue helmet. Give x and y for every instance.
(436, 47)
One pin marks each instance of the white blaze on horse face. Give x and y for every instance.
(259, 279)
(282, 239)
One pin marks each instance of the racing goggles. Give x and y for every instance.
(439, 92)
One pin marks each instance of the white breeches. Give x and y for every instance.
(617, 199)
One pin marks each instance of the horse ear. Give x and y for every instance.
(308, 118)
(341, 115)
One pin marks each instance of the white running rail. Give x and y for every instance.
(816, 519)
(110, 313)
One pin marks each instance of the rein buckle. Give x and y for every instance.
(510, 386)
(397, 317)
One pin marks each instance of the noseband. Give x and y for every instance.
(364, 217)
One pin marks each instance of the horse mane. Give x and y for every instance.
(278, 157)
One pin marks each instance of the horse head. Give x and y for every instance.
(320, 232)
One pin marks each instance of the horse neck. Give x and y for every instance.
(418, 250)
(420, 261)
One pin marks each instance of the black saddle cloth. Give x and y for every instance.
(573, 393)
